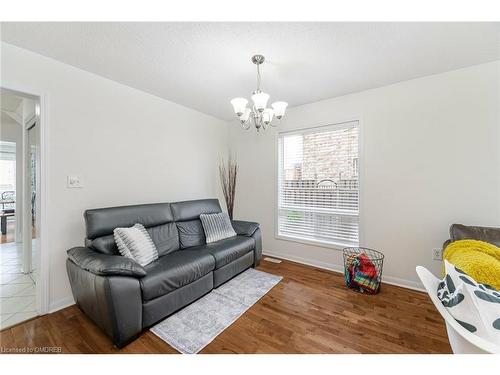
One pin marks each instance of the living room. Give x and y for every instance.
(251, 187)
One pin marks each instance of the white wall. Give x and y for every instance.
(430, 158)
(130, 147)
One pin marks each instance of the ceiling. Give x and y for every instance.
(204, 65)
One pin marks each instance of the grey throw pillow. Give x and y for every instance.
(135, 243)
(217, 226)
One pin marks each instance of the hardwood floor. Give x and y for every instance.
(10, 235)
(310, 311)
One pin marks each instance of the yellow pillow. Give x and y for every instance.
(480, 260)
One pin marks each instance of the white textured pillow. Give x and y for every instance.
(475, 306)
(217, 226)
(135, 243)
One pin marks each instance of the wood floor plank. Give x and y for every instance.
(310, 311)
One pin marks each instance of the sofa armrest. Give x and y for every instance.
(245, 228)
(257, 236)
(114, 303)
(250, 229)
(103, 264)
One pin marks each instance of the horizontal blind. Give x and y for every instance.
(318, 184)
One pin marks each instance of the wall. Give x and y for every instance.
(430, 154)
(430, 158)
(129, 146)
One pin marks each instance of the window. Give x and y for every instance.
(7, 166)
(318, 185)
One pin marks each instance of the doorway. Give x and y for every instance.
(19, 207)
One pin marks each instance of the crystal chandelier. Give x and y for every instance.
(259, 114)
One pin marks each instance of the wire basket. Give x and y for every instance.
(363, 269)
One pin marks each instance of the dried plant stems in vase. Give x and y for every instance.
(228, 171)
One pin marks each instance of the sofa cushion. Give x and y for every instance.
(217, 226)
(227, 250)
(190, 233)
(190, 210)
(135, 243)
(102, 221)
(104, 244)
(165, 237)
(173, 271)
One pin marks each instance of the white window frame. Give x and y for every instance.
(334, 126)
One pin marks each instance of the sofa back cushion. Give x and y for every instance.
(464, 232)
(190, 233)
(165, 237)
(191, 210)
(156, 218)
(187, 217)
(161, 220)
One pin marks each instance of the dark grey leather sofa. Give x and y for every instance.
(466, 232)
(122, 297)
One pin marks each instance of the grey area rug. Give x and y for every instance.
(197, 325)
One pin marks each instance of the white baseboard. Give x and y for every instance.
(61, 304)
(408, 284)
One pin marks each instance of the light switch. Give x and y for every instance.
(74, 181)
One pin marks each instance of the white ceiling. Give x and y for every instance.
(204, 65)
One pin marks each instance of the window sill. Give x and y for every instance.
(329, 245)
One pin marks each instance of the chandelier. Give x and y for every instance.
(258, 114)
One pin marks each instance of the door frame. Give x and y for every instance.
(42, 285)
(27, 216)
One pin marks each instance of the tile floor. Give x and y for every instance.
(17, 290)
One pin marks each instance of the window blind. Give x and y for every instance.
(318, 184)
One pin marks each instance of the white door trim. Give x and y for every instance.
(42, 286)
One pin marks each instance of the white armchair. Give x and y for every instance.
(461, 340)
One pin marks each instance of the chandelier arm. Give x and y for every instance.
(258, 78)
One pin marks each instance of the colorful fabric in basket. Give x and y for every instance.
(361, 273)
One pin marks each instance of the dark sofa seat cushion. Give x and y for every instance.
(227, 250)
(173, 271)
